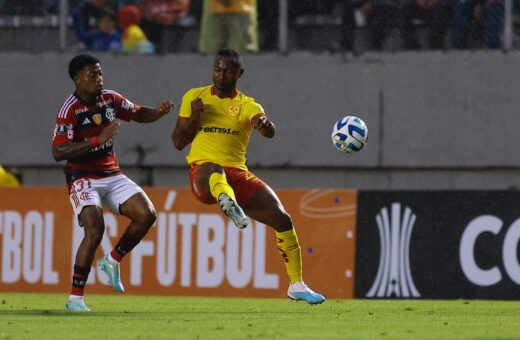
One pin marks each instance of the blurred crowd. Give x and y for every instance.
(138, 26)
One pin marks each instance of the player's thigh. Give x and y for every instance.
(91, 219)
(199, 179)
(139, 208)
(118, 190)
(265, 207)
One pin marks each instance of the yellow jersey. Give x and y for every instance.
(224, 128)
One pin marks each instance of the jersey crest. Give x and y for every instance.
(233, 110)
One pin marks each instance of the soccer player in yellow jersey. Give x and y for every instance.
(217, 120)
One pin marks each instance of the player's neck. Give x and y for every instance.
(87, 98)
(231, 93)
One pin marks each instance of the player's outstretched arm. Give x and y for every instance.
(70, 150)
(149, 115)
(186, 128)
(264, 126)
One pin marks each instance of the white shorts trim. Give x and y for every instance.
(108, 192)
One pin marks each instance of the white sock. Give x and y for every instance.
(75, 297)
(112, 260)
(300, 285)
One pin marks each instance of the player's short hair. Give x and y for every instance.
(232, 54)
(79, 62)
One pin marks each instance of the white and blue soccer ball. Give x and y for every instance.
(350, 134)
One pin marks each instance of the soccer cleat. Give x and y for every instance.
(112, 271)
(300, 292)
(233, 211)
(76, 306)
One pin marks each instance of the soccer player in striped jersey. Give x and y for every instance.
(83, 136)
(218, 120)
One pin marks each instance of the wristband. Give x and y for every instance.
(94, 141)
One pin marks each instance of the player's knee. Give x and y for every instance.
(151, 217)
(94, 237)
(284, 220)
(146, 217)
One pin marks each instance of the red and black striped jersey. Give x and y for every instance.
(78, 121)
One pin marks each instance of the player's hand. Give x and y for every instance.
(264, 126)
(164, 106)
(261, 122)
(197, 106)
(108, 132)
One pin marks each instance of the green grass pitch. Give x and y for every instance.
(41, 316)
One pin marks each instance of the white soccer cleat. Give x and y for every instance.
(300, 292)
(233, 211)
(76, 306)
(112, 271)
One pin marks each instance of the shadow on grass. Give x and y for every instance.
(95, 313)
(57, 313)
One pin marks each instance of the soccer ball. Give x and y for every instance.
(349, 134)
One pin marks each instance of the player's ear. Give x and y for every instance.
(241, 73)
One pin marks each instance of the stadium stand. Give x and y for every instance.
(33, 25)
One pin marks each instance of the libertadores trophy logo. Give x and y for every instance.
(394, 277)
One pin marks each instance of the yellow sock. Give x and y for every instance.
(219, 185)
(289, 249)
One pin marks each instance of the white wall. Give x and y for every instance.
(424, 110)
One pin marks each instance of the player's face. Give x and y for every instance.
(90, 79)
(226, 73)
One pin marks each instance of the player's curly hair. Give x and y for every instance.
(79, 62)
(232, 54)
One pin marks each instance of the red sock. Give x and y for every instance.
(123, 247)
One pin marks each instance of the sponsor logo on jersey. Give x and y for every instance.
(83, 109)
(104, 102)
(86, 121)
(128, 105)
(233, 110)
(97, 118)
(214, 129)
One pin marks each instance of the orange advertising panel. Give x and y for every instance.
(193, 249)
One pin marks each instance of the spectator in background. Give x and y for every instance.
(487, 13)
(229, 24)
(380, 15)
(134, 40)
(9, 178)
(434, 14)
(91, 11)
(158, 15)
(106, 38)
